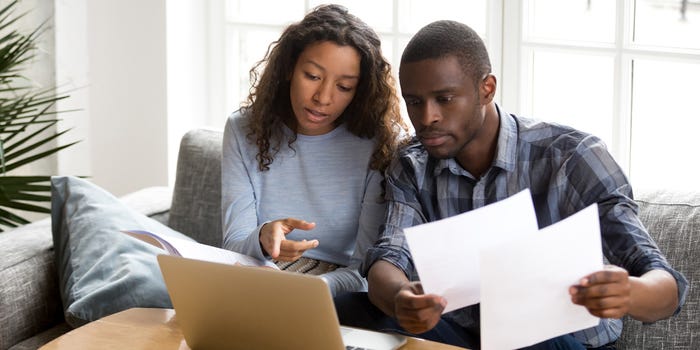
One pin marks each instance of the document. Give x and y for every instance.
(525, 283)
(446, 252)
(194, 250)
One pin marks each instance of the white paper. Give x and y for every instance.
(446, 252)
(525, 283)
(195, 250)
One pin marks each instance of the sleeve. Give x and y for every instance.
(372, 215)
(403, 210)
(595, 177)
(238, 203)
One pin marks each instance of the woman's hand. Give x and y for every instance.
(273, 239)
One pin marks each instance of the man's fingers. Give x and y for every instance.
(415, 302)
(420, 314)
(610, 274)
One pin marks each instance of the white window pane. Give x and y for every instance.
(264, 11)
(414, 14)
(378, 14)
(575, 90)
(665, 125)
(570, 20)
(388, 51)
(667, 23)
(244, 49)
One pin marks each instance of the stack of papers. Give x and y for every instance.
(497, 256)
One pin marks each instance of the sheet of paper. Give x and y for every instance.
(195, 250)
(525, 283)
(446, 252)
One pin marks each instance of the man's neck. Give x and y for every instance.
(478, 156)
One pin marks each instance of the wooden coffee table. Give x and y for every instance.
(143, 328)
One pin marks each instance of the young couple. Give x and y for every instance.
(315, 176)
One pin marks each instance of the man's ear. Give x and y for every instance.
(487, 88)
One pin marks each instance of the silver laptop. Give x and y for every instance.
(221, 306)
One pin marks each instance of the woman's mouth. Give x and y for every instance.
(315, 116)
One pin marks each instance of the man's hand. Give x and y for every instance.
(415, 311)
(273, 241)
(606, 293)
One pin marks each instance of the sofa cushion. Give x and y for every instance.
(196, 207)
(101, 270)
(673, 220)
(42, 338)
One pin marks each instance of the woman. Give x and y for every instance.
(303, 159)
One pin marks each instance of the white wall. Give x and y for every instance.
(39, 71)
(112, 54)
(137, 71)
(189, 25)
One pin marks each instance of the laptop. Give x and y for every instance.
(220, 306)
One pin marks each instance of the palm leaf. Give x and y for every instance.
(11, 219)
(27, 123)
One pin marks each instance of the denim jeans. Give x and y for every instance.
(355, 310)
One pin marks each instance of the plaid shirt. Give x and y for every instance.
(566, 170)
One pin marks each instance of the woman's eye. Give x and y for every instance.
(311, 76)
(344, 88)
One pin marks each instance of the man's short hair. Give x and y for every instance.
(450, 38)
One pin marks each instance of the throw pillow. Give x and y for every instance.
(101, 270)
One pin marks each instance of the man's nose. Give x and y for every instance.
(429, 113)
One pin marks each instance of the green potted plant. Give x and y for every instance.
(27, 124)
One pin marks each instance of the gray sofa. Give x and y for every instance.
(30, 305)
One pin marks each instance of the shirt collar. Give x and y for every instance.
(505, 150)
(507, 142)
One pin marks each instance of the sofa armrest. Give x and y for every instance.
(673, 220)
(152, 201)
(29, 296)
(196, 207)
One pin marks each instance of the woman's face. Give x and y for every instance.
(323, 83)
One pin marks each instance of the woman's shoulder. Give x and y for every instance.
(238, 119)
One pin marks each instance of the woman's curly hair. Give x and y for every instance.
(374, 110)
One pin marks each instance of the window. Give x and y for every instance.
(250, 28)
(624, 70)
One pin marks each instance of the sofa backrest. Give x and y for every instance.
(673, 220)
(196, 206)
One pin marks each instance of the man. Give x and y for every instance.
(468, 153)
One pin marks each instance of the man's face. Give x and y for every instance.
(443, 105)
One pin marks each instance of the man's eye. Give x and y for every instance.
(412, 101)
(444, 99)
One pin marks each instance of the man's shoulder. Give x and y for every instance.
(551, 135)
(410, 157)
(412, 148)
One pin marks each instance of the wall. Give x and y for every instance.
(111, 58)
